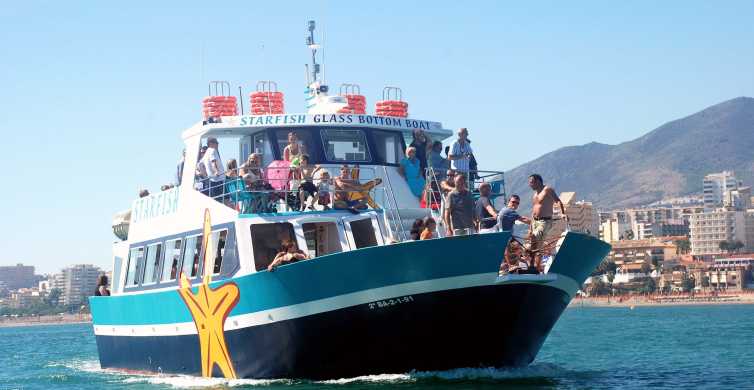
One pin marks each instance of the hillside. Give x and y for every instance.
(668, 161)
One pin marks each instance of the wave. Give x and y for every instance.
(537, 370)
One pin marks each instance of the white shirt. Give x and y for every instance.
(460, 151)
(207, 161)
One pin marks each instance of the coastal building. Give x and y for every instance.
(648, 222)
(18, 276)
(582, 216)
(25, 297)
(722, 276)
(613, 230)
(715, 185)
(650, 251)
(76, 283)
(710, 228)
(738, 199)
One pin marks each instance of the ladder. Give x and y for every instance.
(392, 212)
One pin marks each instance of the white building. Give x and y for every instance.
(711, 227)
(715, 185)
(738, 199)
(582, 216)
(76, 283)
(613, 230)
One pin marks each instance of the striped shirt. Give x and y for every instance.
(460, 150)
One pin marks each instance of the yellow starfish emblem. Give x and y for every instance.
(209, 309)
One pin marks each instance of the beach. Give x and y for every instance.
(679, 299)
(45, 320)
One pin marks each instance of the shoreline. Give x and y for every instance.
(663, 300)
(66, 319)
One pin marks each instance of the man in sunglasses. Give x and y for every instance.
(508, 216)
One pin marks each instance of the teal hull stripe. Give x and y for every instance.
(323, 277)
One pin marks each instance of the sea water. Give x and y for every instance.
(599, 348)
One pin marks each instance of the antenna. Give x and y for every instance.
(313, 47)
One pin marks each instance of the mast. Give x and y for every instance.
(315, 67)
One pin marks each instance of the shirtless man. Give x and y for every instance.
(542, 202)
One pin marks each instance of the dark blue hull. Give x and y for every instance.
(494, 325)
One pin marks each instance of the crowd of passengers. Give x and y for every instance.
(429, 175)
(250, 188)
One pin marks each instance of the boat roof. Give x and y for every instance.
(241, 125)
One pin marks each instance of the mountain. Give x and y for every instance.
(668, 161)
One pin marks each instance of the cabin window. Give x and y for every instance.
(389, 146)
(217, 240)
(191, 255)
(363, 233)
(305, 142)
(152, 264)
(262, 146)
(172, 259)
(266, 239)
(322, 238)
(345, 145)
(135, 265)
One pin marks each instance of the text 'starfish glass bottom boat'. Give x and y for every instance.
(295, 260)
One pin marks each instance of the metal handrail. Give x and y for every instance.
(389, 91)
(219, 87)
(475, 179)
(281, 190)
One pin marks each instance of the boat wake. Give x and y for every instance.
(489, 374)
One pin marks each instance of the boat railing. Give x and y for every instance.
(435, 195)
(281, 192)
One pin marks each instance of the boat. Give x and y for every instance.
(193, 290)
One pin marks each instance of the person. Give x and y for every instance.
(543, 200)
(200, 173)
(344, 185)
(437, 162)
(234, 185)
(460, 208)
(179, 168)
(513, 259)
(101, 290)
(251, 170)
(323, 189)
(289, 253)
(508, 215)
(143, 193)
(430, 225)
(446, 187)
(213, 166)
(410, 169)
(349, 193)
(416, 229)
(422, 144)
(485, 213)
(449, 184)
(294, 150)
(460, 152)
(305, 173)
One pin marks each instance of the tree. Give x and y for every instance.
(646, 268)
(682, 247)
(629, 234)
(724, 246)
(598, 286)
(688, 283)
(648, 285)
(604, 267)
(735, 246)
(705, 281)
(53, 297)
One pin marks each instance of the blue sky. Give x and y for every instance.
(95, 94)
